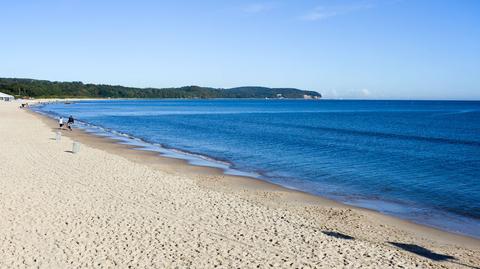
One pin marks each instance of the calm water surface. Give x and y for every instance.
(419, 160)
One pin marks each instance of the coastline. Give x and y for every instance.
(233, 176)
(368, 229)
(237, 183)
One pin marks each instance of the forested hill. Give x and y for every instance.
(52, 89)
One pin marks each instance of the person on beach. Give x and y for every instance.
(60, 122)
(70, 122)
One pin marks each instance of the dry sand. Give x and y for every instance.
(109, 206)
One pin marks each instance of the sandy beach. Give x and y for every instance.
(109, 206)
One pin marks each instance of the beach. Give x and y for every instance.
(109, 206)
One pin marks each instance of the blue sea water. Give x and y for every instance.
(418, 160)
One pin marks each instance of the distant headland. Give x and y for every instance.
(24, 87)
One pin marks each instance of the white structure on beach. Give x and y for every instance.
(6, 97)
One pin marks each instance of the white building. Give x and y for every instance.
(6, 97)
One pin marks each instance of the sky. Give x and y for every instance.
(367, 49)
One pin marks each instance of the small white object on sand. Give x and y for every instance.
(76, 147)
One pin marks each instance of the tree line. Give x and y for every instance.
(21, 88)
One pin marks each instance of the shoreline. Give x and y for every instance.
(110, 206)
(238, 182)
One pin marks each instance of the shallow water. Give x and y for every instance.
(419, 160)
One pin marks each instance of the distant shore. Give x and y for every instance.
(171, 213)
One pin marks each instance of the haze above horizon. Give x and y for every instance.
(368, 49)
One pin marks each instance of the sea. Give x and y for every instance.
(417, 160)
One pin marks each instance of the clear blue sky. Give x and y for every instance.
(410, 49)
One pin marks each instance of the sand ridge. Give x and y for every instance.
(103, 210)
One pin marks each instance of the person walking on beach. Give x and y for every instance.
(60, 122)
(70, 122)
